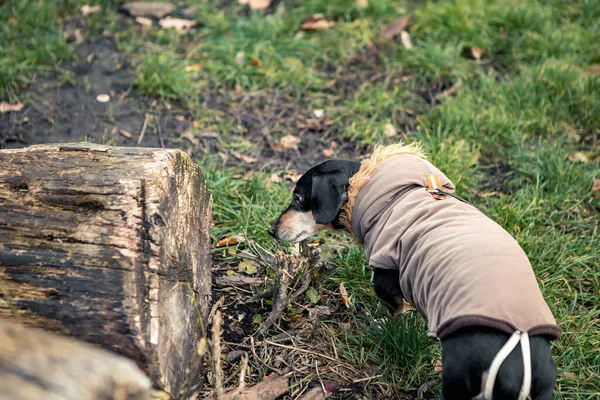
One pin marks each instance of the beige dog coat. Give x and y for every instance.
(457, 266)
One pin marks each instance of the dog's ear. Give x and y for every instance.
(328, 194)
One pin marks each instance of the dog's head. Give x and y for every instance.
(316, 201)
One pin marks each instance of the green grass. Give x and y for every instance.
(31, 42)
(244, 206)
(162, 74)
(522, 110)
(31, 33)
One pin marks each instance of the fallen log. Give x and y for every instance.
(39, 365)
(110, 245)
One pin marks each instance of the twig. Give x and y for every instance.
(238, 280)
(242, 384)
(319, 376)
(253, 350)
(367, 378)
(143, 129)
(160, 139)
(305, 284)
(451, 90)
(216, 353)
(424, 387)
(279, 302)
(301, 350)
(316, 393)
(334, 348)
(215, 307)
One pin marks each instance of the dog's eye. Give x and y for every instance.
(297, 198)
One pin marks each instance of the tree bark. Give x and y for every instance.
(110, 245)
(39, 365)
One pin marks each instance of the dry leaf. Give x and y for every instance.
(394, 29)
(12, 21)
(573, 137)
(331, 150)
(239, 58)
(277, 147)
(316, 22)
(148, 9)
(228, 241)
(568, 374)
(73, 35)
(256, 62)
(437, 366)
(476, 53)
(578, 157)
(244, 158)
(181, 25)
(595, 69)
(328, 152)
(292, 176)
(344, 295)
(312, 125)
(256, 4)
(193, 68)
(289, 142)
(389, 130)
(87, 9)
(361, 3)
(317, 311)
(596, 187)
(7, 107)
(248, 159)
(248, 266)
(274, 178)
(405, 38)
(146, 22)
(125, 133)
(191, 137)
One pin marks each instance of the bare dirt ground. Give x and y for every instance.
(58, 111)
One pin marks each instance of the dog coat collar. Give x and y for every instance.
(490, 377)
(434, 188)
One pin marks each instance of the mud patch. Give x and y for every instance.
(56, 112)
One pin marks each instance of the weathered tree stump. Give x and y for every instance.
(110, 245)
(38, 365)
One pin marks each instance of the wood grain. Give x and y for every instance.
(110, 245)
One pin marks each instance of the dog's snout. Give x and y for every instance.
(272, 230)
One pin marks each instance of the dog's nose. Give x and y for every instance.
(272, 230)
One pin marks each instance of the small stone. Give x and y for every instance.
(103, 98)
(148, 9)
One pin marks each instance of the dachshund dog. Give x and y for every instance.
(421, 247)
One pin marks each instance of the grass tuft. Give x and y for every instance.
(163, 74)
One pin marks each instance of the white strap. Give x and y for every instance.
(526, 386)
(508, 347)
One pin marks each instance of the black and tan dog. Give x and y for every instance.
(458, 268)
